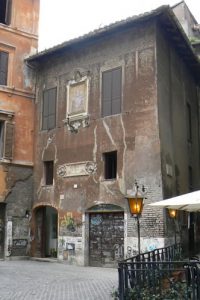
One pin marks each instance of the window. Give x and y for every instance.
(5, 11)
(111, 92)
(190, 178)
(49, 109)
(110, 164)
(189, 123)
(3, 67)
(48, 170)
(6, 139)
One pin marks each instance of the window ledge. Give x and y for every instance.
(109, 180)
(5, 161)
(50, 187)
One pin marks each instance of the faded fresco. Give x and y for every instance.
(77, 98)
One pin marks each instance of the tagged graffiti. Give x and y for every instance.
(131, 252)
(19, 243)
(118, 251)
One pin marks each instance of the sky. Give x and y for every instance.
(62, 20)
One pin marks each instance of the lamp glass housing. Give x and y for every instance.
(135, 205)
(172, 213)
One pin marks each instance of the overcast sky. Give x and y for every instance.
(62, 20)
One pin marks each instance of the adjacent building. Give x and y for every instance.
(18, 40)
(115, 106)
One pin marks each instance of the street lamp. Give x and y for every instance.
(135, 202)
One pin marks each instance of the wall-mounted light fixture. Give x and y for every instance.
(27, 214)
(173, 215)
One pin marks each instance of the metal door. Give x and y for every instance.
(106, 244)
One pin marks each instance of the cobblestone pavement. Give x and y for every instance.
(34, 280)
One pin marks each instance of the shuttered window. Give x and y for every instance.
(5, 11)
(111, 92)
(6, 139)
(3, 67)
(49, 109)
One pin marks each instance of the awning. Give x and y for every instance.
(189, 202)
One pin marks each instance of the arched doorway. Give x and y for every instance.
(106, 235)
(46, 231)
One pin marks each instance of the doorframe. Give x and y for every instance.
(33, 228)
(111, 208)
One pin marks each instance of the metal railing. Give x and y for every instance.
(159, 275)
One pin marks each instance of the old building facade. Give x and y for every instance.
(18, 40)
(113, 107)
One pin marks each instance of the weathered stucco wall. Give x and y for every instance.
(19, 40)
(180, 154)
(133, 133)
(176, 89)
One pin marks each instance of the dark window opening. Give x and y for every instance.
(190, 178)
(3, 67)
(1, 138)
(48, 169)
(111, 92)
(189, 123)
(110, 163)
(49, 109)
(5, 11)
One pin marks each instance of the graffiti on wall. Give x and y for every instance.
(20, 228)
(147, 244)
(9, 238)
(150, 244)
(69, 246)
(70, 223)
(118, 251)
(131, 251)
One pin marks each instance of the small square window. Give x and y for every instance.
(110, 165)
(48, 172)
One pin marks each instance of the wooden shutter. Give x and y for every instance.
(52, 108)
(49, 109)
(8, 12)
(106, 93)
(111, 92)
(8, 140)
(116, 91)
(3, 67)
(45, 110)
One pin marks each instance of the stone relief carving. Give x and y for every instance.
(77, 169)
(74, 125)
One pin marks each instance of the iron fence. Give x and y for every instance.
(159, 275)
